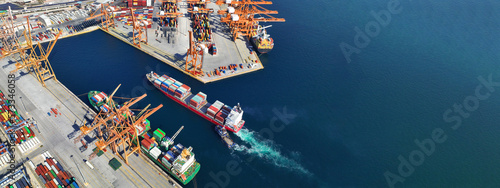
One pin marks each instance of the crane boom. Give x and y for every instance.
(176, 133)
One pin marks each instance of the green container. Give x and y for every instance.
(158, 134)
(115, 164)
(59, 186)
(99, 153)
(72, 186)
(53, 173)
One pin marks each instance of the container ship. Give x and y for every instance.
(98, 100)
(177, 160)
(217, 113)
(261, 40)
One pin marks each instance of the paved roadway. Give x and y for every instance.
(57, 135)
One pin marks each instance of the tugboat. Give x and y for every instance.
(261, 40)
(225, 137)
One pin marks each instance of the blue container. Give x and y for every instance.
(60, 167)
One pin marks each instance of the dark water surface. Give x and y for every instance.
(324, 122)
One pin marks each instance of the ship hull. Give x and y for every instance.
(198, 111)
(92, 93)
(158, 163)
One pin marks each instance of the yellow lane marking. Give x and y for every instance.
(127, 173)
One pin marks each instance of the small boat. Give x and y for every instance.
(225, 137)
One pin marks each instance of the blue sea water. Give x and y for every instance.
(314, 120)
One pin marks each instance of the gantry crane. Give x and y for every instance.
(10, 42)
(139, 27)
(106, 16)
(193, 58)
(120, 127)
(241, 16)
(36, 61)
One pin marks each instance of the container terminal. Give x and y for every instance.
(49, 137)
(208, 41)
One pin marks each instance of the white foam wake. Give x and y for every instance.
(266, 149)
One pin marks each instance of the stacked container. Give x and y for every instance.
(221, 116)
(52, 175)
(155, 152)
(147, 144)
(9, 116)
(166, 84)
(198, 100)
(214, 108)
(172, 88)
(158, 134)
(182, 90)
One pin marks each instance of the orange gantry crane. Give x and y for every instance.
(241, 18)
(139, 27)
(194, 61)
(105, 13)
(119, 127)
(36, 61)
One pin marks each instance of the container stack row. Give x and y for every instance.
(140, 3)
(143, 14)
(53, 175)
(166, 8)
(172, 86)
(9, 116)
(201, 27)
(214, 109)
(198, 100)
(20, 183)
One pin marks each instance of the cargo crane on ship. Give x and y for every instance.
(105, 13)
(241, 18)
(139, 27)
(168, 142)
(119, 127)
(194, 58)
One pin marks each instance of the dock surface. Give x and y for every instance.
(57, 135)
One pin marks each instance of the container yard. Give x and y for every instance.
(57, 140)
(51, 173)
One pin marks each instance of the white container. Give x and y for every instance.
(155, 152)
(235, 17)
(230, 10)
(90, 165)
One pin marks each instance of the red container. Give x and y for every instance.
(147, 143)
